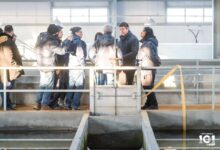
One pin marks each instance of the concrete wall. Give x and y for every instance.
(40, 120)
(196, 120)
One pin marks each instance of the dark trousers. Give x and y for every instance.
(151, 99)
(130, 76)
(8, 99)
(62, 78)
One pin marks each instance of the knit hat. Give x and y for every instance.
(108, 28)
(75, 29)
(52, 29)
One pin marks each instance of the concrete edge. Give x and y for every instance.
(149, 140)
(80, 138)
(195, 119)
(37, 120)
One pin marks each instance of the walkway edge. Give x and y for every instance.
(150, 142)
(80, 139)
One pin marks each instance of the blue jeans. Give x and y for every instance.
(76, 81)
(46, 83)
(73, 98)
(104, 78)
(101, 79)
(11, 86)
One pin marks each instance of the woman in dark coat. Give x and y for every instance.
(148, 56)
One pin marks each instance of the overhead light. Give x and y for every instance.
(57, 22)
(150, 21)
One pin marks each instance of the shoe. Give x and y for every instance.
(61, 102)
(12, 107)
(149, 107)
(37, 107)
(144, 107)
(45, 107)
(67, 108)
(57, 107)
(152, 107)
(76, 108)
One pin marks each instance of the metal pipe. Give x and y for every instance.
(5, 89)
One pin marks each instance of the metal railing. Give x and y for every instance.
(28, 52)
(197, 89)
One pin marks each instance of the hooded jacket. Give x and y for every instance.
(106, 52)
(46, 47)
(152, 44)
(148, 57)
(78, 54)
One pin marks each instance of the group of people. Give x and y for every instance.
(106, 51)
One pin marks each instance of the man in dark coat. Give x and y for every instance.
(129, 46)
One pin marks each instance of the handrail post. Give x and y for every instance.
(197, 84)
(213, 88)
(116, 93)
(92, 91)
(139, 89)
(5, 89)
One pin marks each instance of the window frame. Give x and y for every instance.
(203, 22)
(89, 22)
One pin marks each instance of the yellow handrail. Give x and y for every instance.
(183, 97)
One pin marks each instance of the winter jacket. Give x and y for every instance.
(76, 59)
(8, 58)
(46, 47)
(108, 51)
(148, 56)
(152, 44)
(129, 46)
(78, 54)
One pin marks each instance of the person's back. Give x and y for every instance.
(7, 58)
(9, 32)
(106, 51)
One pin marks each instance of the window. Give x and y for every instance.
(189, 15)
(194, 15)
(175, 15)
(208, 15)
(62, 15)
(98, 15)
(81, 15)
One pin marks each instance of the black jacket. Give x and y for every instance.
(129, 46)
(46, 38)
